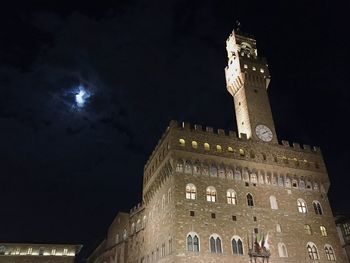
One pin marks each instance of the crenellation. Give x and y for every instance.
(209, 129)
(221, 132)
(296, 145)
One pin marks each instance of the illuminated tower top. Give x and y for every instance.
(247, 80)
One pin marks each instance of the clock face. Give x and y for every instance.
(264, 133)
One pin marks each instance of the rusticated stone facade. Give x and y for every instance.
(207, 194)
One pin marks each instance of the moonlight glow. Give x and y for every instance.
(81, 96)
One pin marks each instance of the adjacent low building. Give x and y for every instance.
(343, 227)
(38, 253)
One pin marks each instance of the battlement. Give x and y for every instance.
(243, 137)
(136, 209)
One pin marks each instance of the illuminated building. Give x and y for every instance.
(216, 196)
(38, 253)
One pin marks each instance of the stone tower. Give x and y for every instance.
(212, 196)
(247, 78)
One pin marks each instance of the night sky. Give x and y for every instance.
(67, 169)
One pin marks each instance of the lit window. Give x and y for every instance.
(241, 152)
(346, 227)
(179, 166)
(182, 142)
(206, 146)
(194, 145)
(190, 191)
(237, 245)
(211, 194)
(262, 70)
(53, 251)
(125, 234)
(230, 149)
(273, 202)
(192, 242)
(329, 252)
(323, 231)
(302, 208)
(278, 228)
(215, 244)
(317, 208)
(245, 66)
(250, 200)
(254, 68)
(231, 197)
(307, 229)
(312, 251)
(29, 251)
(282, 250)
(218, 148)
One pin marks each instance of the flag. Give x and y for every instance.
(267, 246)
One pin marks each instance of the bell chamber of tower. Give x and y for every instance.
(247, 78)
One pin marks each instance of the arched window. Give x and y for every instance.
(278, 228)
(323, 231)
(231, 197)
(237, 245)
(252, 154)
(206, 146)
(218, 148)
(329, 252)
(194, 145)
(230, 149)
(250, 200)
(191, 191)
(215, 244)
(312, 251)
(273, 202)
(211, 194)
(132, 228)
(307, 229)
(182, 142)
(317, 208)
(302, 208)
(282, 250)
(192, 242)
(2, 250)
(41, 251)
